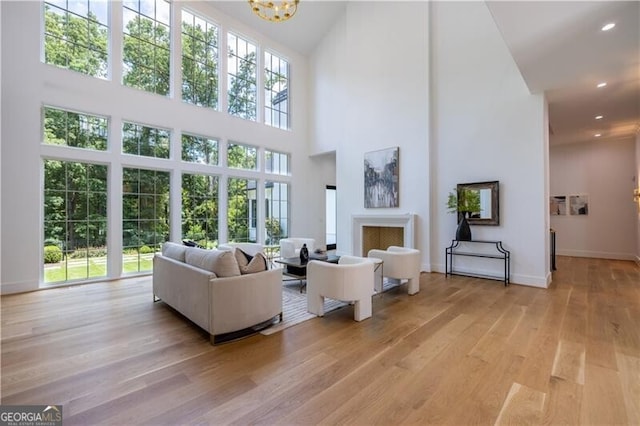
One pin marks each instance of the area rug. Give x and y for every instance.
(294, 308)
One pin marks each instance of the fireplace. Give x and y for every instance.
(381, 237)
(381, 231)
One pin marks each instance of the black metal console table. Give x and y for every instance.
(502, 253)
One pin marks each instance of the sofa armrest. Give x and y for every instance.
(244, 301)
(183, 287)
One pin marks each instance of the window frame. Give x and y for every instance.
(216, 59)
(105, 68)
(250, 99)
(155, 22)
(270, 94)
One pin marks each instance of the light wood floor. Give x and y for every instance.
(462, 351)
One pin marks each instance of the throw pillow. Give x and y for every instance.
(174, 251)
(257, 264)
(242, 258)
(221, 262)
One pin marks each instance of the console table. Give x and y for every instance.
(470, 251)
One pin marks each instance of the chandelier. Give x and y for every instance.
(274, 11)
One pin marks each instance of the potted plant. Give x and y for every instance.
(463, 201)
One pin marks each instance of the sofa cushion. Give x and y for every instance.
(257, 264)
(222, 263)
(174, 251)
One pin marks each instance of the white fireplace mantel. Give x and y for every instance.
(404, 221)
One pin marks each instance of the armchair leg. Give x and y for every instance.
(315, 304)
(413, 285)
(362, 309)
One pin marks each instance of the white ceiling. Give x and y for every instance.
(301, 33)
(560, 50)
(557, 45)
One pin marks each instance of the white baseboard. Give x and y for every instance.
(528, 280)
(597, 254)
(18, 287)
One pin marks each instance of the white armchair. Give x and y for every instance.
(400, 263)
(350, 280)
(290, 247)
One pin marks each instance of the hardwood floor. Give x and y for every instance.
(462, 351)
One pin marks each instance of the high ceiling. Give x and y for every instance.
(561, 50)
(557, 45)
(301, 33)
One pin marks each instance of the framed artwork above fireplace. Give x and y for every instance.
(381, 178)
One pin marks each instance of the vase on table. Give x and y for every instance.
(304, 254)
(463, 233)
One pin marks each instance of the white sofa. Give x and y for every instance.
(350, 280)
(290, 247)
(207, 287)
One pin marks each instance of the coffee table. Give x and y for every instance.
(294, 268)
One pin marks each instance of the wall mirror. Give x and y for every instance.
(486, 198)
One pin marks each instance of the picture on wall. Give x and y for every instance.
(579, 205)
(381, 183)
(558, 205)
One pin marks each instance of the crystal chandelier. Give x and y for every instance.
(274, 11)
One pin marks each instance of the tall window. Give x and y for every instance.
(242, 156)
(146, 50)
(276, 163)
(200, 209)
(76, 35)
(145, 217)
(199, 61)
(147, 141)
(199, 149)
(276, 211)
(242, 75)
(276, 91)
(75, 221)
(241, 196)
(75, 129)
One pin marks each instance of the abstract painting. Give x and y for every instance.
(579, 205)
(381, 183)
(558, 205)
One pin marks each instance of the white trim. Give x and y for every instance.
(405, 221)
(597, 254)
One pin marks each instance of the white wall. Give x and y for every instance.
(487, 126)
(27, 84)
(370, 91)
(637, 185)
(605, 171)
(1, 85)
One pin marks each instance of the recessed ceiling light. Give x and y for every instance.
(599, 117)
(602, 84)
(609, 26)
(597, 135)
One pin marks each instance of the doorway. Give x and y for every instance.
(330, 216)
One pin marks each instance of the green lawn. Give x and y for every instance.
(78, 269)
